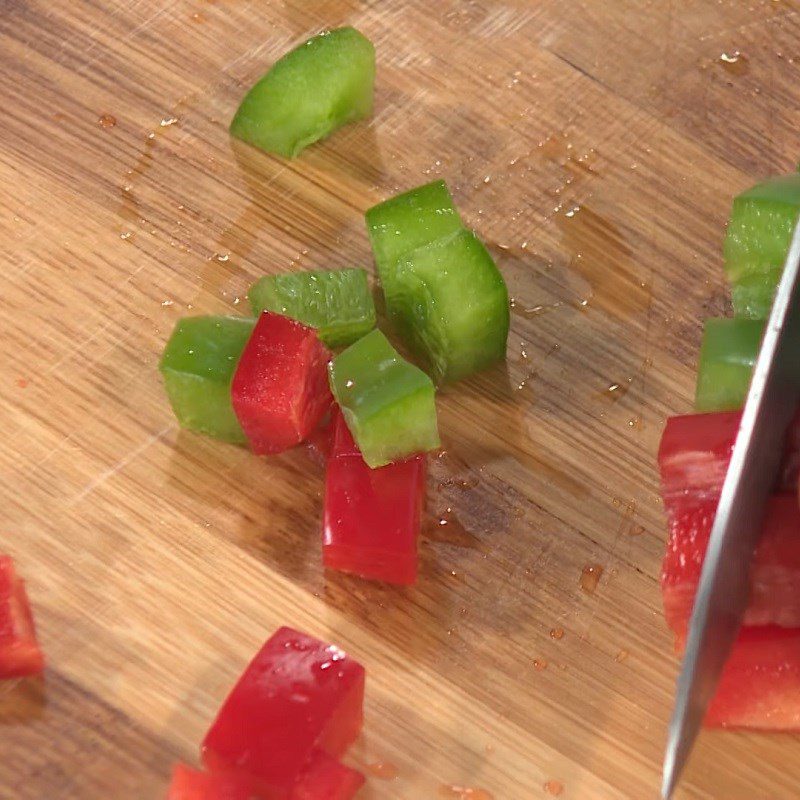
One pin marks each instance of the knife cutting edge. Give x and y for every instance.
(724, 588)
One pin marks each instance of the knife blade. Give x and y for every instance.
(724, 589)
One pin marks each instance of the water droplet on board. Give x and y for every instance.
(590, 577)
(383, 769)
(106, 121)
(734, 62)
(533, 311)
(621, 656)
(557, 633)
(554, 788)
(463, 792)
(539, 664)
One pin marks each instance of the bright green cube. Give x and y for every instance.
(403, 223)
(727, 359)
(451, 304)
(338, 303)
(198, 365)
(309, 93)
(759, 233)
(388, 404)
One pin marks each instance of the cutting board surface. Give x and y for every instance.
(595, 146)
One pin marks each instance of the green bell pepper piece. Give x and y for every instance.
(727, 358)
(403, 223)
(759, 233)
(451, 304)
(338, 303)
(198, 365)
(309, 93)
(388, 404)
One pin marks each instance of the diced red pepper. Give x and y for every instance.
(327, 779)
(297, 697)
(371, 519)
(193, 784)
(696, 449)
(775, 571)
(280, 390)
(760, 684)
(20, 654)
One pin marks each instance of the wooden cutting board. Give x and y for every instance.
(595, 146)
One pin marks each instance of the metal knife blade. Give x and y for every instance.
(724, 589)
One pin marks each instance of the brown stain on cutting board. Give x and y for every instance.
(157, 562)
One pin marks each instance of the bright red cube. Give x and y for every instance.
(20, 654)
(371, 519)
(193, 784)
(280, 388)
(298, 697)
(327, 779)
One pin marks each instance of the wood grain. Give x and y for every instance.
(595, 147)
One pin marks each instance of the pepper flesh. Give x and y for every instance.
(311, 91)
(371, 517)
(298, 697)
(759, 233)
(727, 358)
(20, 654)
(403, 223)
(280, 390)
(696, 449)
(336, 303)
(387, 403)
(327, 779)
(759, 688)
(193, 784)
(198, 364)
(451, 305)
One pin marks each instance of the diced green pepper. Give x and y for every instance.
(753, 294)
(727, 357)
(451, 303)
(198, 365)
(338, 303)
(309, 93)
(388, 404)
(759, 234)
(403, 223)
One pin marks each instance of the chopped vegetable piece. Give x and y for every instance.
(309, 93)
(193, 784)
(298, 696)
(451, 304)
(759, 233)
(403, 223)
(198, 365)
(280, 390)
(775, 571)
(337, 303)
(327, 779)
(696, 449)
(20, 654)
(388, 404)
(372, 516)
(727, 357)
(760, 684)
(752, 296)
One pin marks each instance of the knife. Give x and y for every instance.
(724, 588)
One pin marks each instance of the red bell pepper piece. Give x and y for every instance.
(696, 449)
(775, 571)
(371, 519)
(280, 389)
(20, 654)
(760, 685)
(327, 779)
(193, 784)
(297, 697)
